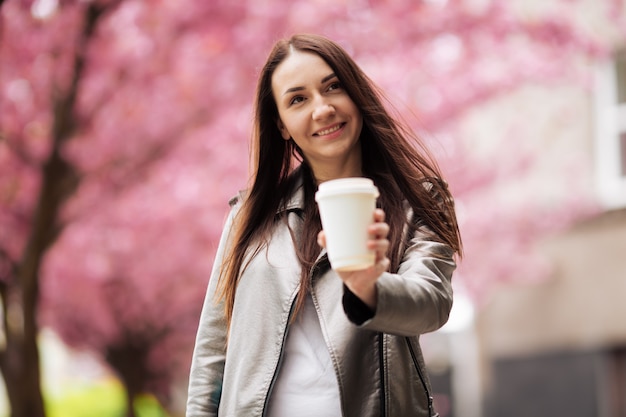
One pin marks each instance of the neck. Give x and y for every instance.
(322, 176)
(347, 169)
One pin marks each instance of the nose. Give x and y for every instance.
(323, 110)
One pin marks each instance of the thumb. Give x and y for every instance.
(321, 239)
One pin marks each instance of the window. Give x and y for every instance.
(610, 131)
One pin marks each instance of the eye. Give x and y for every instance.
(334, 86)
(296, 100)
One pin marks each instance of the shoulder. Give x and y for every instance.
(437, 192)
(238, 198)
(434, 185)
(234, 200)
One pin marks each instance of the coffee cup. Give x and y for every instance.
(346, 208)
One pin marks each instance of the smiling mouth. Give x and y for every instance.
(329, 130)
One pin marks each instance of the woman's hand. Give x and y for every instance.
(363, 283)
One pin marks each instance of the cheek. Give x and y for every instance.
(359, 122)
(283, 125)
(294, 125)
(284, 132)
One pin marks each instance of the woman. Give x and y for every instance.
(281, 333)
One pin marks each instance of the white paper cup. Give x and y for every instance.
(347, 209)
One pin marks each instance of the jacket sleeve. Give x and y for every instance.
(207, 365)
(418, 298)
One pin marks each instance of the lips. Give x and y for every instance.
(329, 130)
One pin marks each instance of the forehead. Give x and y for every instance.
(298, 70)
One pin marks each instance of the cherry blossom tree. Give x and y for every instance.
(159, 106)
(124, 128)
(31, 208)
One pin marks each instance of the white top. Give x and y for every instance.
(306, 385)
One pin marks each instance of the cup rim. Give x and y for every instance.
(355, 185)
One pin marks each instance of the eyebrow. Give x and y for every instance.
(326, 78)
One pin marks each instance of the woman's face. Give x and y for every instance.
(317, 113)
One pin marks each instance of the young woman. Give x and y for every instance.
(281, 333)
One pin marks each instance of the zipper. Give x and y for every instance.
(320, 259)
(280, 358)
(431, 411)
(381, 364)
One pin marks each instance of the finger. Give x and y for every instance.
(385, 264)
(321, 239)
(380, 248)
(381, 266)
(379, 230)
(379, 215)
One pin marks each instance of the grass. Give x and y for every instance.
(102, 399)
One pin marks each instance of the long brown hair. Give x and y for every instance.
(392, 156)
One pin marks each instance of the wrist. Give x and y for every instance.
(366, 293)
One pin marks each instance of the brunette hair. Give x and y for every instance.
(392, 156)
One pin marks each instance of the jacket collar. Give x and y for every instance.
(295, 202)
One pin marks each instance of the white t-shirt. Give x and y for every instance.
(306, 385)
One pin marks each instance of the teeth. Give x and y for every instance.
(328, 131)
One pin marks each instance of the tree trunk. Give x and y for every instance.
(129, 362)
(130, 404)
(19, 360)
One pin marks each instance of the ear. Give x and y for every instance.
(283, 130)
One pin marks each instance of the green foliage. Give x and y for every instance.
(148, 406)
(103, 399)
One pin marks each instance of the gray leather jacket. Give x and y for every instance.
(379, 364)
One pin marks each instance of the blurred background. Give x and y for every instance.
(124, 130)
